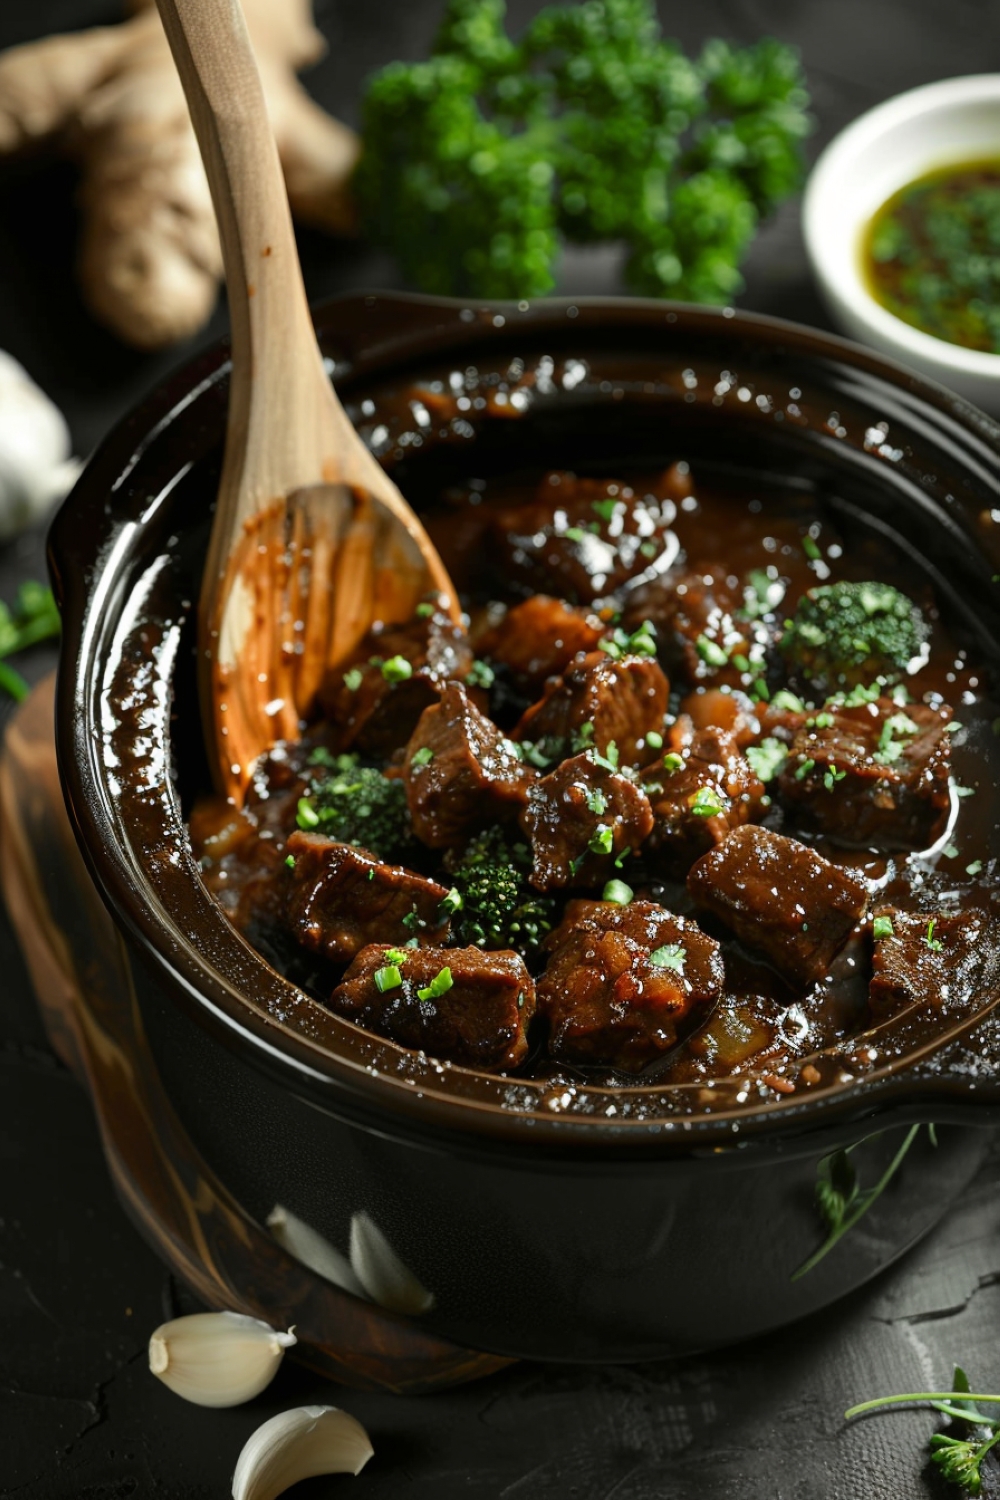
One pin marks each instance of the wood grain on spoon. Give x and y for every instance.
(311, 543)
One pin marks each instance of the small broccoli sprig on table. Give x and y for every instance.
(499, 908)
(356, 804)
(846, 634)
(480, 161)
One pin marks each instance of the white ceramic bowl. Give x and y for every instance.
(954, 121)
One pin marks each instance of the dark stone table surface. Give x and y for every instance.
(80, 1416)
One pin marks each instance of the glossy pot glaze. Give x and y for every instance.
(545, 1221)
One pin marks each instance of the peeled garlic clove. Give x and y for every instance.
(217, 1358)
(297, 1445)
(308, 1245)
(383, 1275)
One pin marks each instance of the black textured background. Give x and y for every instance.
(80, 1417)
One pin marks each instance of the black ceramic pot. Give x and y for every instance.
(578, 1223)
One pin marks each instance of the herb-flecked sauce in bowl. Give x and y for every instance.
(932, 254)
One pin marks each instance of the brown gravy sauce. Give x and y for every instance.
(760, 1027)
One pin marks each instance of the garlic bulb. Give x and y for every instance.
(296, 1445)
(309, 1246)
(217, 1358)
(36, 468)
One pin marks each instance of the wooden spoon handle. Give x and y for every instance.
(277, 374)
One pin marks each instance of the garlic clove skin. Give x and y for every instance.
(299, 1444)
(217, 1358)
(383, 1275)
(36, 469)
(309, 1246)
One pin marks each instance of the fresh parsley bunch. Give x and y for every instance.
(481, 161)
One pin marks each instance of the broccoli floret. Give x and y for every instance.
(356, 804)
(479, 162)
(499, 908)
(846, 634)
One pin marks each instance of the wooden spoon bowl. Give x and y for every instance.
(312, 543)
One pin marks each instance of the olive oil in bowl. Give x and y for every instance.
(931, 254)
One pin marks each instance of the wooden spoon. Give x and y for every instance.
(312, 542)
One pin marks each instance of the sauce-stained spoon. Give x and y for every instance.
(311, 542)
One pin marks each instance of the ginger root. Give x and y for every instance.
(149, 257)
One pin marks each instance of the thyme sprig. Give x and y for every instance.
(841, 1199)
(960, 1460)
(33, 618)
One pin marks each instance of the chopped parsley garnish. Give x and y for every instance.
(609, 760)
(811, 549)
(306, 815)
(395, 955)
(451, 903)
(767, 759)
(711, 652)
(832, 776)
(618, 892)
(425, 610)
(706, 802)
(654, 740)
(422, 757)
(604, 508)
(439, 985)
(582, 737)
(388, 978)
(290, 861)
(789, 701)
(802, 771)
(623, 856)
(353, 679)
(975, 867)
(601, 841)
(762, 594)
(670, 956)
(480, 675)
(397, 669)
(672, 761)
(575, 534)
(619, 643)
(895, 727)
(933, 943)
(596, 801)
(882, 928)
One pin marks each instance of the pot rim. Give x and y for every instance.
(371, 334)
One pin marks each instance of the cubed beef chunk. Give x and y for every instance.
(939, 962)
(781, 898)
(871, 774)
(624, 982)
(461, 772)
(583, 539)
(375, 698)
(697, 803)
(701, 636)
(599, 701)
(723, 708)
(475, 1010)
(537, 639)
(580, 819)
(340, 898)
